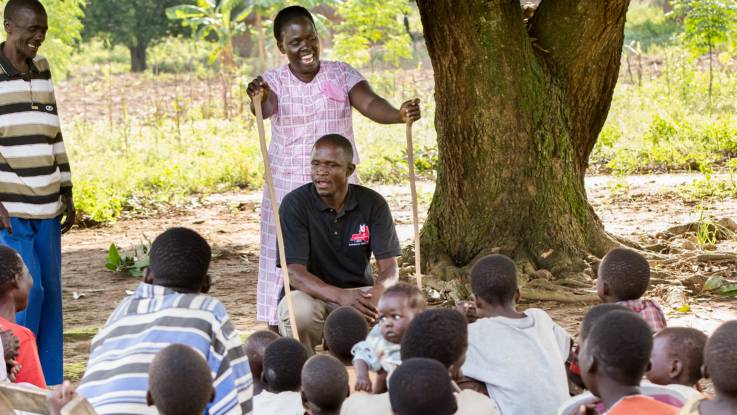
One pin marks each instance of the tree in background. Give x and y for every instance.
(519, 106)
(222, 20)
(707, 25)
(65, 30)
(136, 24)
(370, 25)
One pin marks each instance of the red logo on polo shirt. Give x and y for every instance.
(360, 238)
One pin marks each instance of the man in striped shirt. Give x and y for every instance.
(35, 183)
(170, 307)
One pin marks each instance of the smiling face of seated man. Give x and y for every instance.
(331, 166)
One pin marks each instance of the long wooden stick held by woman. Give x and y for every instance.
(277, 220)
(415, 215)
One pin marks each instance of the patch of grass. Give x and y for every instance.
(80, 333)
(74, 371)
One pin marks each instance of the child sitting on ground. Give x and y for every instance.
(421, 386)
(614, 357)
(519, 356)
(624, 276)
(15, 285)
(281, 379)
(675, 395)
(180, 382)
(380, 351)
(324, 385)
(720, 365)
(678, 353)
(438, 334)
(343, 328)
(589, 319)
(255, 347)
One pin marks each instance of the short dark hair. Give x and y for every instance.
(287, 14)
(180, 381)
(283, 361)
(421, 386)
(720, 358)
(179, 259)
(325, 382)
(256, 345)
(337, 140)
(11, 267)
(440, 334)
(626, 272)
(415, 299)
(687, 345)
(344, 327)
(621, 342)
(13, 6)
(494, 279)
(595, 314)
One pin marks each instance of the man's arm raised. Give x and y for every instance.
(309, 283)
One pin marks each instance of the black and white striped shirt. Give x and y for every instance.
(34, 168)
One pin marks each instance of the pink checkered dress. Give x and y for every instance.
(305, 112)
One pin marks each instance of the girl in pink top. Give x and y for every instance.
(306, 99)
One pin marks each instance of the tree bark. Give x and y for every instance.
(138, 57)
(518, 111)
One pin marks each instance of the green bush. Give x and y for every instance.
(649, 26)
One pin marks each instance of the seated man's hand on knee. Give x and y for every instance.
(360, 300)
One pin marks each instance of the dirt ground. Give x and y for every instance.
(231, 223)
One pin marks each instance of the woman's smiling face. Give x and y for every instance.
(300, 43)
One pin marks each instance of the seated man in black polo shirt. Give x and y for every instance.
(330, 229)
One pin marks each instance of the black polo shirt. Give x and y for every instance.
(337, 246)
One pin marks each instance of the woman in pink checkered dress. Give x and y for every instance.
(305, 100)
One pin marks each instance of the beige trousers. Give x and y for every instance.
(310, 314)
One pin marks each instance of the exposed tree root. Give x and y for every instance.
(678, 267)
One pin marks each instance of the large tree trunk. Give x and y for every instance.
(138, 57)
(518, 112)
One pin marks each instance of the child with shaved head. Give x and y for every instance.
(678, 353)
(720, 365)
(281, 379)
(324, 385)
(180, 382)
(614, 358)
(623, 278)
(520, 356)
(255, 348)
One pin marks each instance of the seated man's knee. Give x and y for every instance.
(305, 308)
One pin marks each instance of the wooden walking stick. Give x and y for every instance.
(415, 215)
(275, 208)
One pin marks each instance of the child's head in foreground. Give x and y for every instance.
(179, 259)
(677, 356)
(255, 348)
(438, 334)
(623, 275)
(344, 327)
(494, 282)
(595, 314)
(15, 280)
(616, 351)
(324, 385)
(397, 307)
(720, 361)
(283, 361)
(180, 382)
(421, 386)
